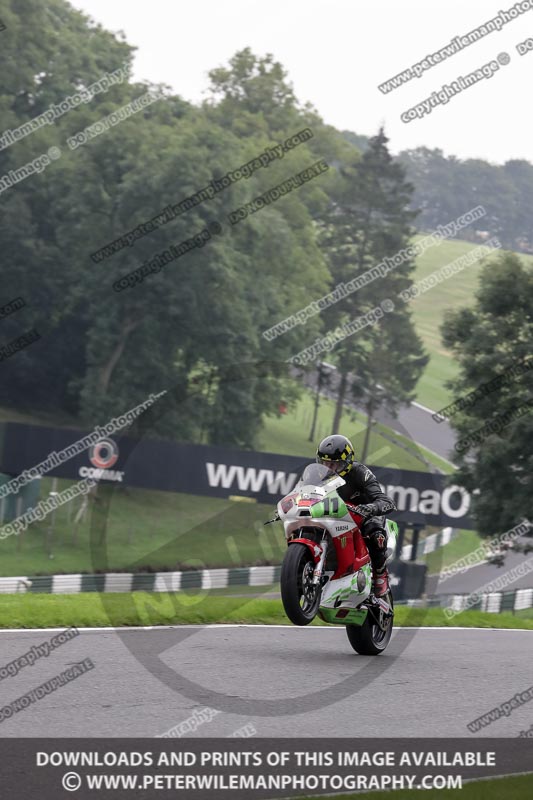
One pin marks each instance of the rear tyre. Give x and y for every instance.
(301, 598)
(369, 639)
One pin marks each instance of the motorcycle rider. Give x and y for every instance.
(363, 494)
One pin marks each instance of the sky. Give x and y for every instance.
(337, 52)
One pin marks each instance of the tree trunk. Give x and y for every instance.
(369, 412)
(107, 370)
(339, 407)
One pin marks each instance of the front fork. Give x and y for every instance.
(319, 566)
(382, 611)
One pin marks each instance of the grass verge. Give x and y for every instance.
(178, 608)
(428, 313)
(513, 788)
(289, 434)
(462, 545)
(146, 531)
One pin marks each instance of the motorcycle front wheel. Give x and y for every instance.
(300, 597)
(369, 639)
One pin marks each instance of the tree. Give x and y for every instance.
(281, 261)
(489, 340)
(435, 179)
(388, 369)
(520, 234)
(369, 220)
(49, 51)
(101, 352)
(447, 187)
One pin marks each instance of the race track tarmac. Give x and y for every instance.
(282, 680)
(515, 573)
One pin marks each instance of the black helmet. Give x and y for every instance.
(337, 453)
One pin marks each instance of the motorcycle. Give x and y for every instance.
(326, 571)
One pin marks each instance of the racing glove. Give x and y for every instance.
(366, 510)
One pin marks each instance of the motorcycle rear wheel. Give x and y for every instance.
(369, 639)
(300, 597)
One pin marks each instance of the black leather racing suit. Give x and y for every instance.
(362, 488)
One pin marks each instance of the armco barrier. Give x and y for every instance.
(494, 603)
(143, 581)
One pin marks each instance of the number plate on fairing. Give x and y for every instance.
(385, 607)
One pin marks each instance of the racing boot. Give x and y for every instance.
(380, 581)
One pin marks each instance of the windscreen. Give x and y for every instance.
(316, 474)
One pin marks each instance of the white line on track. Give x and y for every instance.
(424, 408)
(216, 626)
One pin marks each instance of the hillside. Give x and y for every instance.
(428, 310)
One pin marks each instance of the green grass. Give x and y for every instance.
(428, 314)
(421, 452)
(463, 544)
(196, 607)
(289, 434)
(513, 788)
(147, 530)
